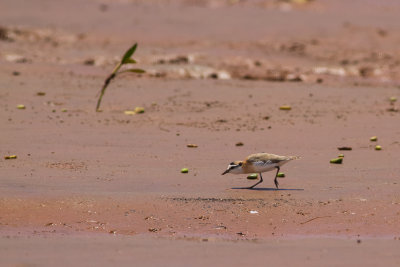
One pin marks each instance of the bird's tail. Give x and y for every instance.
(294, 157)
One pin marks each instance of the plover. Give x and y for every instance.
(258, 163)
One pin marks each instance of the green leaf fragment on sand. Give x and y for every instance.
(336, 161)
(139, 110)
(341, 156)
(184, 170)
(252, 176)
(129, 112)
(281, 174)
(285, 107)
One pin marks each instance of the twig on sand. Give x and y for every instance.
(319, 217)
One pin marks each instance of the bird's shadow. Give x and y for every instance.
(269, 189)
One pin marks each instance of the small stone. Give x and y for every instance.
(89, 62)
(10, 157)
(40, 93)
(378, 147)
(20, 106)
(373, 139)
(239, 144)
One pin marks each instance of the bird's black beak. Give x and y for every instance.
(225, 172)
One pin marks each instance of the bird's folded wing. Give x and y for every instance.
(263, 161)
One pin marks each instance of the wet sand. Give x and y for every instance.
(126, 251)
(112, 183)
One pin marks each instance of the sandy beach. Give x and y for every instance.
(102, 188)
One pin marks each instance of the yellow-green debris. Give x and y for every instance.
(285, 107)
(139, 110)
(252, 176)
(336, 161)
(129, 112)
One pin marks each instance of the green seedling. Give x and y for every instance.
(252, 176)
(336, 161)
(280, 174)
(126, 59)
(184, 170)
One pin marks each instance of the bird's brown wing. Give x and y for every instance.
(265, 158)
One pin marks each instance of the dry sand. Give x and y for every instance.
(101, 188)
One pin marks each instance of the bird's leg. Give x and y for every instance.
(276, 177)
(259, 182)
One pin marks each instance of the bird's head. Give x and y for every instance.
(234, 167)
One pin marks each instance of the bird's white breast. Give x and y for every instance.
(262, 166)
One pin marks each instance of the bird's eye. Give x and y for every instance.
(232, 163)
(240, 163)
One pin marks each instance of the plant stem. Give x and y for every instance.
(106, 83)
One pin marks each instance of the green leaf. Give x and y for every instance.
(130, 61)
(128, 54)
(136, 70)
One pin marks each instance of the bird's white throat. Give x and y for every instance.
(237, 170)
